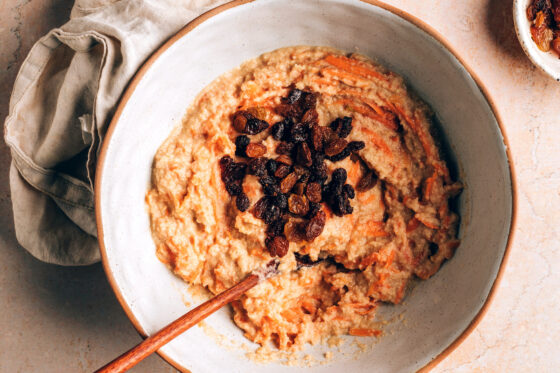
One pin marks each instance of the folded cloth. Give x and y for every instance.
(62, 102)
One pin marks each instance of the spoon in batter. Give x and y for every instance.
(191, 318)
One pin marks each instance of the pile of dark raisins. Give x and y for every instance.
(294, 183)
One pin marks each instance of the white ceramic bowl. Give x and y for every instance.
(440, 312)
(546, 61)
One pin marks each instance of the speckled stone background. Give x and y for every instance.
(55, 319)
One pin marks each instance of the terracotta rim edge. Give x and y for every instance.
(406, 16)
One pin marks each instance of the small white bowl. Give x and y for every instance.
(438, 313)
(546, 61)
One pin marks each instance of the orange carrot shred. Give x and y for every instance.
(430, 185)
(354, 66)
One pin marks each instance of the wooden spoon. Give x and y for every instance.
(191, 318)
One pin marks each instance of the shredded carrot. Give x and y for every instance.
(322, 81)
(345, 76)
(361, 308)
(390, 259)
(354, 66)
(291, 315)
(369, 260)
(426, 223)
(382, 115)
(430, 185)
(377, 141)
(443, 171)
(375, 286)
(367, 111)
(362, 332)
(415, 126)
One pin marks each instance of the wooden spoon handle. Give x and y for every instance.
(193, 317)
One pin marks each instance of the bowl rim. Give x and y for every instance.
(219, 9)
(524, 39)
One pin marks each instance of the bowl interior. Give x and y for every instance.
(437, 311)
(547, 61)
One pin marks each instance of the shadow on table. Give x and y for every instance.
(499, 23)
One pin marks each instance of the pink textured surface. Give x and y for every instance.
(67, 319)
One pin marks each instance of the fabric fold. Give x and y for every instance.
(62, 102)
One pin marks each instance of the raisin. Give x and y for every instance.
(294, 96)
(258, 112)
(340, 156)
(556, 44)
(241, 143)
(234, 188)
(257, 167)
(339, 176)
(315, 226)
(255, 126)
(304, 178)
(348, 190)
(335, 124)
(276, 228)
(282, 171)
(284, 148)
(231, 171)
(271, 166)
(225, 161)
(537, 6)
(313, 192)
(336, 146)
(313, 209)
(356, 145)
(255, 150)
(283, 158)
(269, 185)
(288, 182)
(367, 181)
(277, 246)
(298, 133)
(304, 155)
(294, 230)
(298, 205)
(280, 129)
(345, 127)
(271, 189)
(281, 200)
(240, 119)
(288, 111)
(242, 202)
(299, 189)
(341, 205)
(318, 172)
(309, 100)
(260, 207)
(271, 214)
(317, 138)
(310, 117)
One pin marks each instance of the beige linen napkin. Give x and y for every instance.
(62, 102)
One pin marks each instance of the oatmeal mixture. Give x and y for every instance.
(321, 159)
